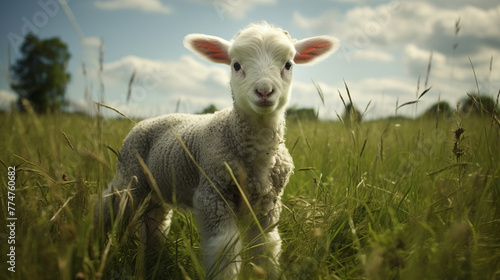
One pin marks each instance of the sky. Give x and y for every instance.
(384, 53)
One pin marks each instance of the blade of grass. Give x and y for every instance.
(366, 109)
(424, 92)
(407, 103)
(348, 93)
(114, 109)
(340, 118)
(67, 140)
(60, 209)
(447, 168)
(320, 92)
(429, 65)
(149, 177)
(294, 144)
(117, 153)
(130, 83)
(397, 102)
(342, 98)
(245, 199)
(203, 172)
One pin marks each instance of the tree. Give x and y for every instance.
(351, 115)
(209, 109)
(474, 103)
(301, 114)
(40, 76)
(441, 108)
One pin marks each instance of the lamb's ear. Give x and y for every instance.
(213, 48)
(314, 49)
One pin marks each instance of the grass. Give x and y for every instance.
(400, 199)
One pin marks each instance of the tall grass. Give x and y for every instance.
(393, 201)
(371, 200)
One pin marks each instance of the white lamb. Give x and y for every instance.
(248, 138)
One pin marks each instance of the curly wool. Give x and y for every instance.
(256, 156)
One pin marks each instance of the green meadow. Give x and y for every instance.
(385, 199)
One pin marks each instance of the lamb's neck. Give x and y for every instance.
(269, 128)
(256, 140)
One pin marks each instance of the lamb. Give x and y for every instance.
(230, 166)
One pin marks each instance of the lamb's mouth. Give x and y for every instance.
(264, 103)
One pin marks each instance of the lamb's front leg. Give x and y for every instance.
(266, 247)
(219, 236)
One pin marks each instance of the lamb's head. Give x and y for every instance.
(261, 59)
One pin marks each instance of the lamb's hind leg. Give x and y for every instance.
(153, 231)
(156, 225)
(112, 197)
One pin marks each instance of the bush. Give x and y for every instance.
(351, 115)
(475, 104)
(441, 109)
(301, 114)
(209, 109)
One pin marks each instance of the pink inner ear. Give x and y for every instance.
(312, 51)
(212, 50)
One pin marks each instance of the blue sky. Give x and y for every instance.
(385, 47)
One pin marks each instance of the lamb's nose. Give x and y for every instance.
(265, 94)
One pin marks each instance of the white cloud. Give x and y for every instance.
(363, 25)
(410, 30)
(236, 9)
(416, 62)
(453, 77)
(480, 23)
(161, 84)
(246, 6)
(350, 1)
(484, 4)
(382, 92)
(153, 6)
(399, 22)
(78, 106)
(6, 99)
(372, 55)
(328, 19)
(184, 74)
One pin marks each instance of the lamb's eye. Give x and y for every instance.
(236, 66)
(288, 65)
